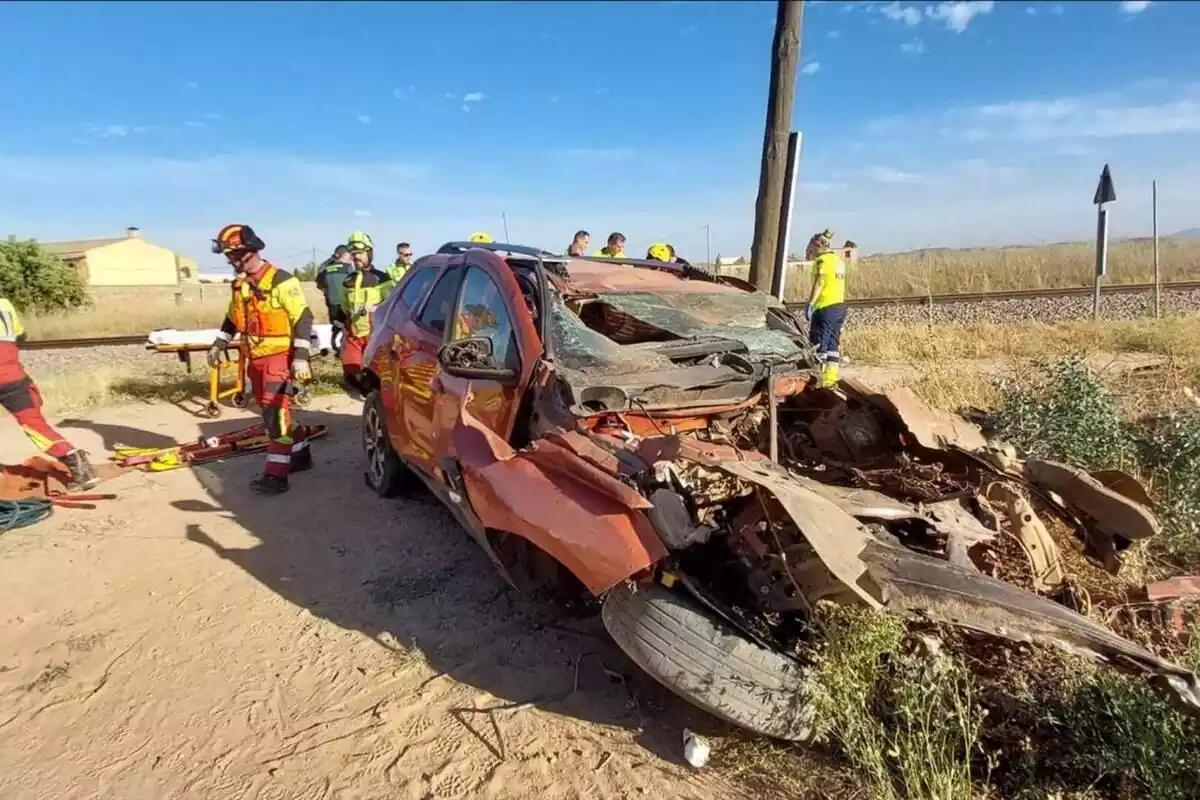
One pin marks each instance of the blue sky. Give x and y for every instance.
(925, 124)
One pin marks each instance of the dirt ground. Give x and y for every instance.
(191, 640)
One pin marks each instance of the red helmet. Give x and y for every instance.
(233, 238)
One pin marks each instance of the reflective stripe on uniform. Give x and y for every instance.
(278, 458)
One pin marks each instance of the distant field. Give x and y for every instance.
(945, 271)
(124, 311)
(132, 310)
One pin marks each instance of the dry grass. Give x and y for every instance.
(957, 365)
(945, 271)
(1176, 337)
(75, 392)
(126, 311)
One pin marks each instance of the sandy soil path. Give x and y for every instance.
(191, 640)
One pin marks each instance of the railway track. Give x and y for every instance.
(1020, 294)
(862, 302)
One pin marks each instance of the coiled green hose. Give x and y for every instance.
(19, 513)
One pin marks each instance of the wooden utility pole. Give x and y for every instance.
(785, 57)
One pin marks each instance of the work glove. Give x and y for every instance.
(216, 352)
(808, 312)
(300, 369)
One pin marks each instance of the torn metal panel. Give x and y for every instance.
(1031, 533)
(835, 535)
(1111, 520)
(930, 588)
(591, 523)
(931, 428)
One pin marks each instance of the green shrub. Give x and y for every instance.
(1169, 452)
(1119, 730)
(35, 280)
(1064, 412)
(906, 723)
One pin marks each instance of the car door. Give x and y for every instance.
(489, 305)
(416, 370)
(388, 327)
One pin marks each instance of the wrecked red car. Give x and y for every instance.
(653, 437)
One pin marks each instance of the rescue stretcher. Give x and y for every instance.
(205, 449)
(184, 344)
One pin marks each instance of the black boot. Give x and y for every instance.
(82, 475)
(269, 484)
(302, 460)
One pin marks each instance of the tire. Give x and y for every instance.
(386, 473)
(707, 664)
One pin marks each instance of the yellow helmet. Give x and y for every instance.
(481, 238)
(359, 241)
(659, 252)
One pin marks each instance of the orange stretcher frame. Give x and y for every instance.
(238, 394)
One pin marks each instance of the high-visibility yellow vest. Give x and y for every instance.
(365, 290)
(832, 270)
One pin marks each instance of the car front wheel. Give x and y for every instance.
(385, 471)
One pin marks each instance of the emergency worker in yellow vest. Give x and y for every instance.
(366, 288)
(826, 309)
(269, 310)
(397, 269)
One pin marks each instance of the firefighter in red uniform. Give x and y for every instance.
(20, 397)
(268, 308)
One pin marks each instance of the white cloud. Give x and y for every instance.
(473, 97)
(811, 68)
(451, 96)
(1134, 6)
(1031, 11)
(191, 123)
(957, 16)
(466, 108)
(1056, 9)
(212, 115)
(403, 92)
(909, 15)
(116, 131)
(834, 34)
(193, 85)
(890, 175)
(913, 47)
(1101, 116)
(361, 213)
(554, 98)
(365, 119)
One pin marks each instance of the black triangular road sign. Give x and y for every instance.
(1105, 191)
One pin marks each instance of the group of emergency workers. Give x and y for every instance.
(268, 309)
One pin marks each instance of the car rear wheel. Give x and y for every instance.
(703, 661)
(386, 473)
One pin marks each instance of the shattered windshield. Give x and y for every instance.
(578, 347)
(740, 316)
(686, 315)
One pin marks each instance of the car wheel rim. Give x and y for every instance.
(374, 443)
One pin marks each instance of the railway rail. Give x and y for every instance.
(1019, 294)
(861, 302)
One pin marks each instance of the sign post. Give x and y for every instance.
(1105, 193)
(784, 237)
(1157, 271)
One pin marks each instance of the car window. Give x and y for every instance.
(481, 312)
(414, 288)
(441, 300)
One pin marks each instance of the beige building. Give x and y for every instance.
(126, 261)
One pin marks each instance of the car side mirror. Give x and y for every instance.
(472, 358)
